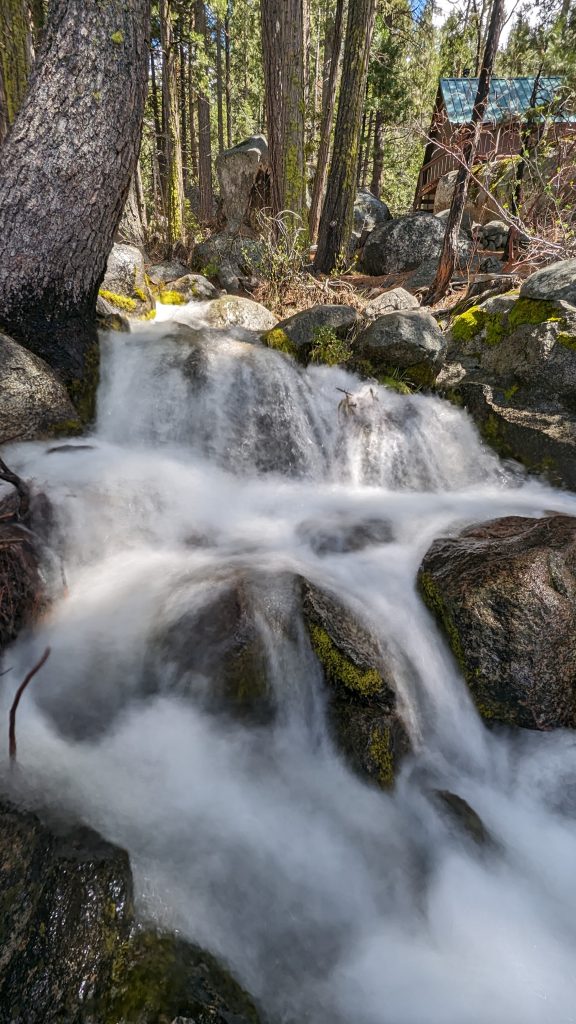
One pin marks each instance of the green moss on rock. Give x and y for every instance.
(279, 340)
(533, 311)
(467, 325)
(171, 298)
(120, 301)
(380, 751)
(366, 682)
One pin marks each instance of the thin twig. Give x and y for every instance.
(16, 701)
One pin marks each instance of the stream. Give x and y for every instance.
(331, 901)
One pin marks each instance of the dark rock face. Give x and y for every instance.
(70, 949)
(404, 243)
(363, 706)
(33, 400)
(504, 593)
(407, 340)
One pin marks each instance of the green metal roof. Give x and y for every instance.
(508, 97)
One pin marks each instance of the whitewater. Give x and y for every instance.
(215, 459)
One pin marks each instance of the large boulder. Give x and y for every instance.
(244, 182)
(369, 213)
(297, 334)
(558, 281)
(235, 311)
(390, 302)
(409, 341)
(404, 243)
(504, 593)
(70, 946)
(33, 400)
(512, 363)
(363, 704)
(125, 285)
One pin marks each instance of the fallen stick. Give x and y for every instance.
(16, 701)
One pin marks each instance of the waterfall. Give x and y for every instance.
(218, 474)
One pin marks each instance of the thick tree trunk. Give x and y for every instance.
(338, 211)
(284, 24)
(132, 226)
(158, 125)
(174, 188)
(65, 169)
(378, 161)
(450, 245)
(332, 48)
(219, 85)
(16, 55)
(228, 76)
(183, 111)
(206, 205)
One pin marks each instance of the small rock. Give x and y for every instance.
(194, 286)
(389, 302)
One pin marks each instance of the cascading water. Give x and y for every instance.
(219, 464)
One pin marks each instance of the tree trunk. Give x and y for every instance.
(228, 77)
(206, 204)
(525, 147)
(132, 226)
(367, 150)
(332, 48)
(174, 188)
(378, 162)
(65, 169)
(338, 212)
(192, 107)
(183, 71)
(16, 55)
(284, 24)
(158, 126)
(450, 245)
(219, 85)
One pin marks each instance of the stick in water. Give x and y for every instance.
(16, 701)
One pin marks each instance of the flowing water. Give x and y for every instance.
(214, 461)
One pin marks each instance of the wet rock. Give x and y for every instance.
(24, 519)
(296, 335)
(234, 311)
(108, 318)
(405, 243)
(558, 281)
(363, 706)
(192, 287)
(125, 286)
(244, 182)
(504, 593)
(70, 947)
(409, 341)
(337, 536)
(390, 302)
(33, 400)
(464, 816)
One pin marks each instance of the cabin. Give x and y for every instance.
(509, 101)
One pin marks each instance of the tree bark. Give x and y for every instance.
(447, 260)
(338, 212)
(132, 226)
(16, 55)
(378, 161)
(525, 147)
(228, 76)
(332, 48)
(219, 85)
(174, 187)
(284, 24)
(206, 204)
(65, 169)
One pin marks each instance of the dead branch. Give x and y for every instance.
(16, 701)
(23, 491)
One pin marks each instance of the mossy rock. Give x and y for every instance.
(71, 950)
(363, 704)
(126, 287)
